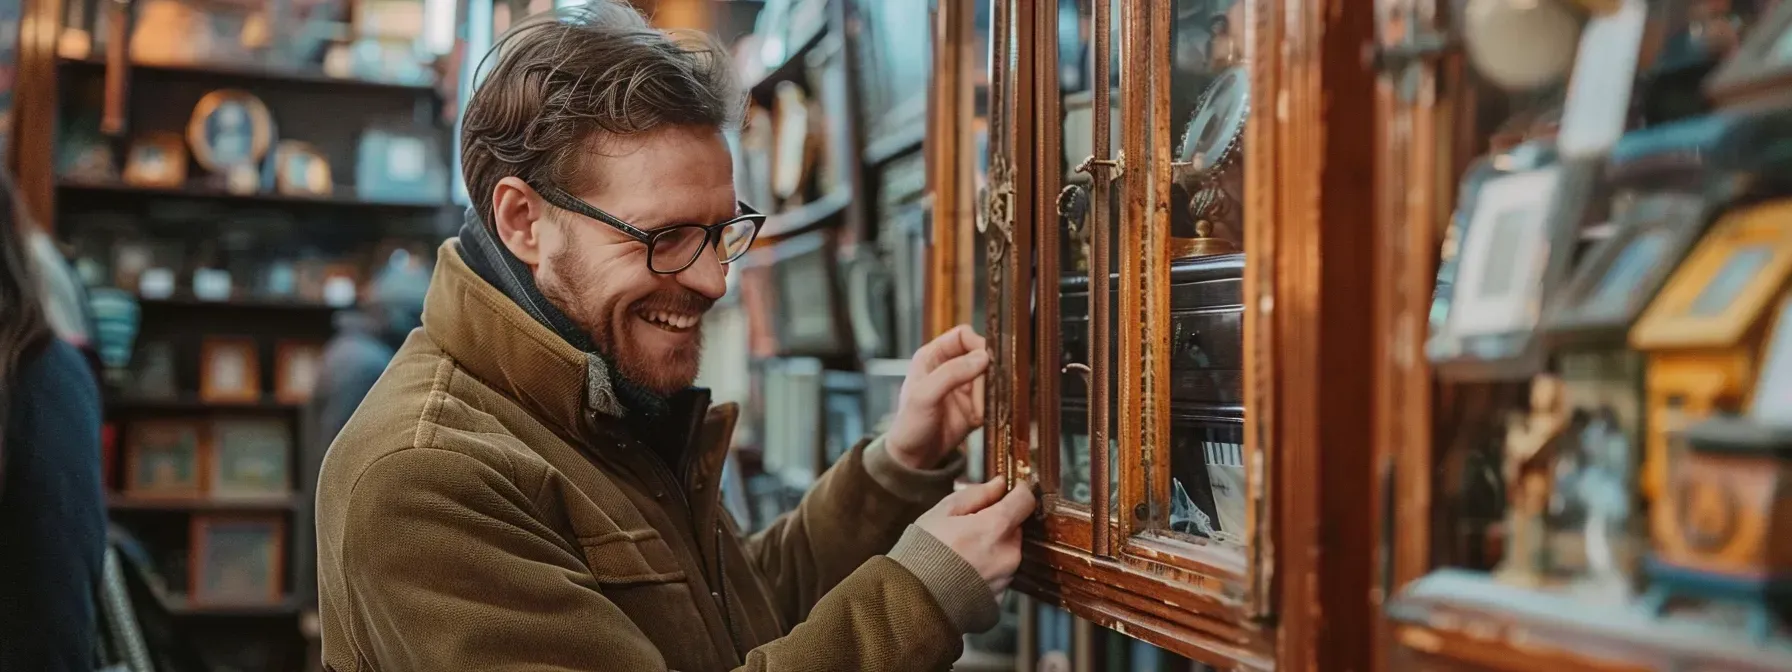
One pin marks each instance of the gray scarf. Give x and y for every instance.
(606, 390)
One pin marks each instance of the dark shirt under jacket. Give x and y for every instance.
(52, 515)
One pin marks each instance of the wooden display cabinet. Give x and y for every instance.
(1515, 498)
(1180, 349)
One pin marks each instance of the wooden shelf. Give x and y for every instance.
(1468, 617)
(124, 502)
(282, 305)
(340, 200)
(805, 218)
(254, 74)
(188, 404)
(791, 70)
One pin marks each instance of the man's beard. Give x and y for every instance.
(660, 375)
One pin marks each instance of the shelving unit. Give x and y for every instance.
(343, 233)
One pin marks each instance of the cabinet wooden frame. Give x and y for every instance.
(1310, 162)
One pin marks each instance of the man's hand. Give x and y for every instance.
(939, 405)
(983, 527)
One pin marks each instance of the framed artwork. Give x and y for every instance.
(162, 459)
(250, 458)
(893, 70)
(157, 160)
(1497, 288)
(230, 132)
(237, 559)
(301, 170)
(229, 370)
(843, 401)
(1725, 283)
(1763, 61)
(811, 316)
(295, 370)
(402, 166)
(1617, 278)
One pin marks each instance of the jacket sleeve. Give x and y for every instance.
(457, 572)
(856, 510)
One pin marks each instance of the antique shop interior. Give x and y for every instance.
(1368, 335)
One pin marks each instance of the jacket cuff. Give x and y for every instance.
(916, 486)
(953, 583)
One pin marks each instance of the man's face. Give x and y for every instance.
(650, 324)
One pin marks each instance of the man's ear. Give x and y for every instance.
(516, 211)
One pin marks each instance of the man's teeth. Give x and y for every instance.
(673, 320)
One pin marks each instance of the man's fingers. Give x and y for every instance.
(952, 375)
(1014, 507)
(975, 498)
(948, 346)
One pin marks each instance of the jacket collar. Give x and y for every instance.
(496, 341)
(490, 337)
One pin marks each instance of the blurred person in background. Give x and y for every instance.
(52, 509)
(524, 488)
(366, 339)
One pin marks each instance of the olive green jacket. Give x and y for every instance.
(475, 515)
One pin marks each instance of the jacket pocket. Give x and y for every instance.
(631, 557)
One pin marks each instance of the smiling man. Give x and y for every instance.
(520, 490)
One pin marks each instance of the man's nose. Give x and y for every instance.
(706, 276)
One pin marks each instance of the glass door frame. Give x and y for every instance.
(1307, 289)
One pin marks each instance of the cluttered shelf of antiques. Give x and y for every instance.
(223, 226)
(1604, 483)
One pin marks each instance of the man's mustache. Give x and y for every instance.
(684, 303)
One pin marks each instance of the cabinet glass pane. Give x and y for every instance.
(1210, 99)
(1075, 219)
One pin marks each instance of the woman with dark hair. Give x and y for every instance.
(52, 511)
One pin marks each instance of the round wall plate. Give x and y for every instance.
(230, 129)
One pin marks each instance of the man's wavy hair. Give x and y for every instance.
(563, 82)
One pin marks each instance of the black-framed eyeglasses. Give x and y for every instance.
(673, 248)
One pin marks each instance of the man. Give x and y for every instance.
(519, 492)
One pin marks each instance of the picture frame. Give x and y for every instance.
(1718, 293)
(157, 160)
(250, 458)
(843, 404)
(1762, 63)
(893, 72)
(811, 320)
(230, 131)
(229, 370)
(301, 170)
(236, 560)
(163, 458)
(1514, 245)
(296, 368)
(1618, 277)
(1499, 265)
(400, 165)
